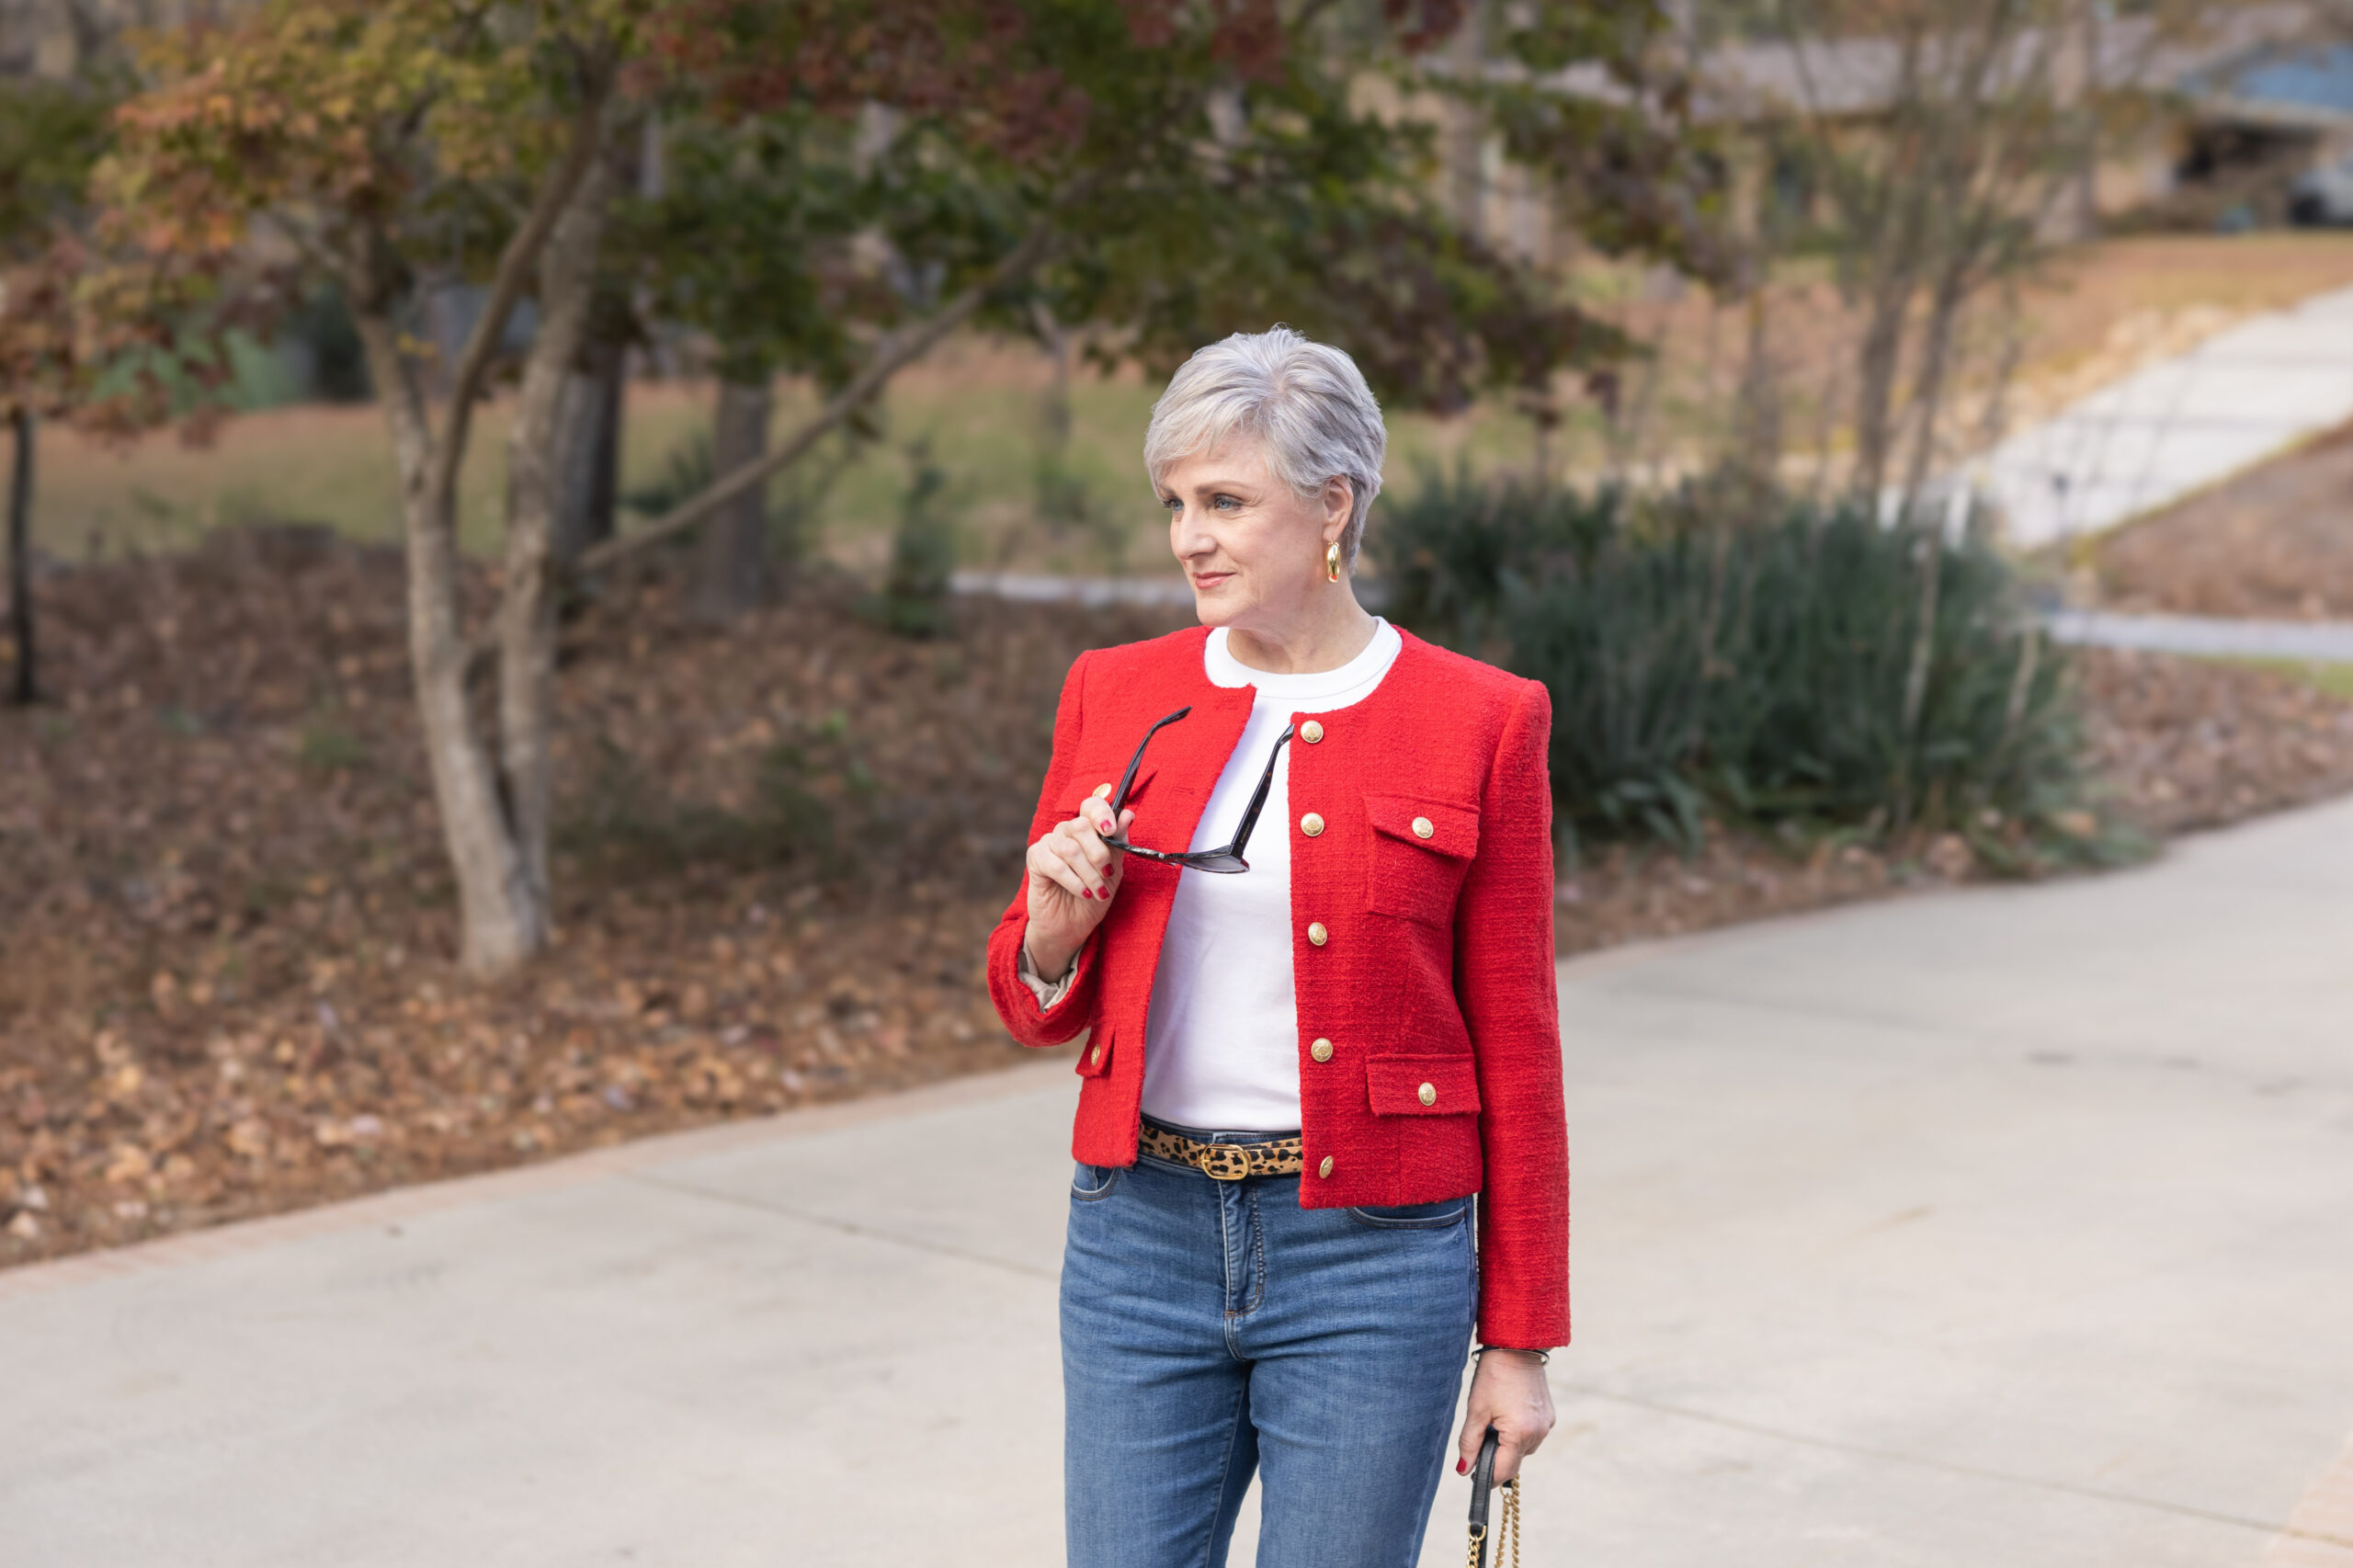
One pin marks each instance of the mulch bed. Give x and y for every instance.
(225, 914)
(2275, 541)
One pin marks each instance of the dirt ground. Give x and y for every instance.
(2274, 542)
(223, 909)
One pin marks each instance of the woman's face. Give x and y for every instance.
(1252, 548)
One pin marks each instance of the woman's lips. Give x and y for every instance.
(1210, 579)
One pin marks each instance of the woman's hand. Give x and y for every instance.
(1072, 876)
(1508, 1392)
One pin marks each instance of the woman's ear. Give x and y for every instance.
(1339, 500)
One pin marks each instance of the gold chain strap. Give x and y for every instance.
(1506, 1529)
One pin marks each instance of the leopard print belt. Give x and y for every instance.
(1223, 1162)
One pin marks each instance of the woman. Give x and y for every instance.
(1311, 1040)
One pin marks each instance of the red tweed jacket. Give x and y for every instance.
(1421, 941)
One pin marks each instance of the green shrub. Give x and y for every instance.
(913, 601)
(1763, 670)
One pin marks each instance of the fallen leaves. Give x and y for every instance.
(224, 992)
(2190, 743)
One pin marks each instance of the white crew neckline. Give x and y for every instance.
(1224, 669)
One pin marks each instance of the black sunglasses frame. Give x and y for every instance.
(1227, 861)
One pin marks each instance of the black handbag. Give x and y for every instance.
(1483, 1480)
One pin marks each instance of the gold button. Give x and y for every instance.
(1316, 933)
(1429, 1094)
(1311, 731)
(1310, 824)
(1102, 791)
(1321, 1050)
(1421, 828)
(1326, 1169)
(1095, 1059)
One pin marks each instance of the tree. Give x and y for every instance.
(752, 241)
(387, 144)
(1194, 172)
(365, 139)
(51, 133)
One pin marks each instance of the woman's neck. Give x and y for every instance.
(1327, 636)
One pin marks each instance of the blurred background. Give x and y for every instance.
(543, 539)
(1789, 388)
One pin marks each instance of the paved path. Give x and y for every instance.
(2319, 642)
(2178, 426)
(2008, 1227)
(1048, 587)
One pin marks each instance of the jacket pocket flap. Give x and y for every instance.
(1095, 1060)
(1085, 781)
(1422, 1085)
(1431, 824)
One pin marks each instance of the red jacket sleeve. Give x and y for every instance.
(1502, 946)
(1016, 1003)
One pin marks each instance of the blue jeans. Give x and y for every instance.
(1211, 1328)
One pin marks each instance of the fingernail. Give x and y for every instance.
(1461, 1467)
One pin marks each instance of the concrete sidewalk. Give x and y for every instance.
(2243, 395)
(2207, 636)
(2012, 1227)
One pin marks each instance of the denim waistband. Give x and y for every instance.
(1214, 1135)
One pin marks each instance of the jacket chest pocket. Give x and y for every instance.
(1421, 849)
(1097, 780)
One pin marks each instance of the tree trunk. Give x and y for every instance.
(1877, 363)
(1055, 411)
(1756, 414)
(590, 421)
(501, 899)
(20, 560)
(589, 458)
(500, 923)
(731, 578)
(1466, 132)
(535, 446)
(1928, 391)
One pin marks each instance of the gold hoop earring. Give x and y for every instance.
(1332, 561)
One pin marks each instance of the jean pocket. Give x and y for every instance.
(1412, 1216)
(1092, 1183)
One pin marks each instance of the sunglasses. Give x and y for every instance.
(1226, 860)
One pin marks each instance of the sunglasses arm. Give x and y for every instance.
(1258, 797)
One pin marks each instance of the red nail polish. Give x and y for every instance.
(1461, 1467)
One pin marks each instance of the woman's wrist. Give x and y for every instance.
(1535, 1358)
(1052, 973)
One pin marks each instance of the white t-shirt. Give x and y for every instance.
(1221, 1047)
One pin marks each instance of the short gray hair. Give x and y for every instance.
(1306, 402)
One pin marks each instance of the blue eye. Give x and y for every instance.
(1226, 503)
